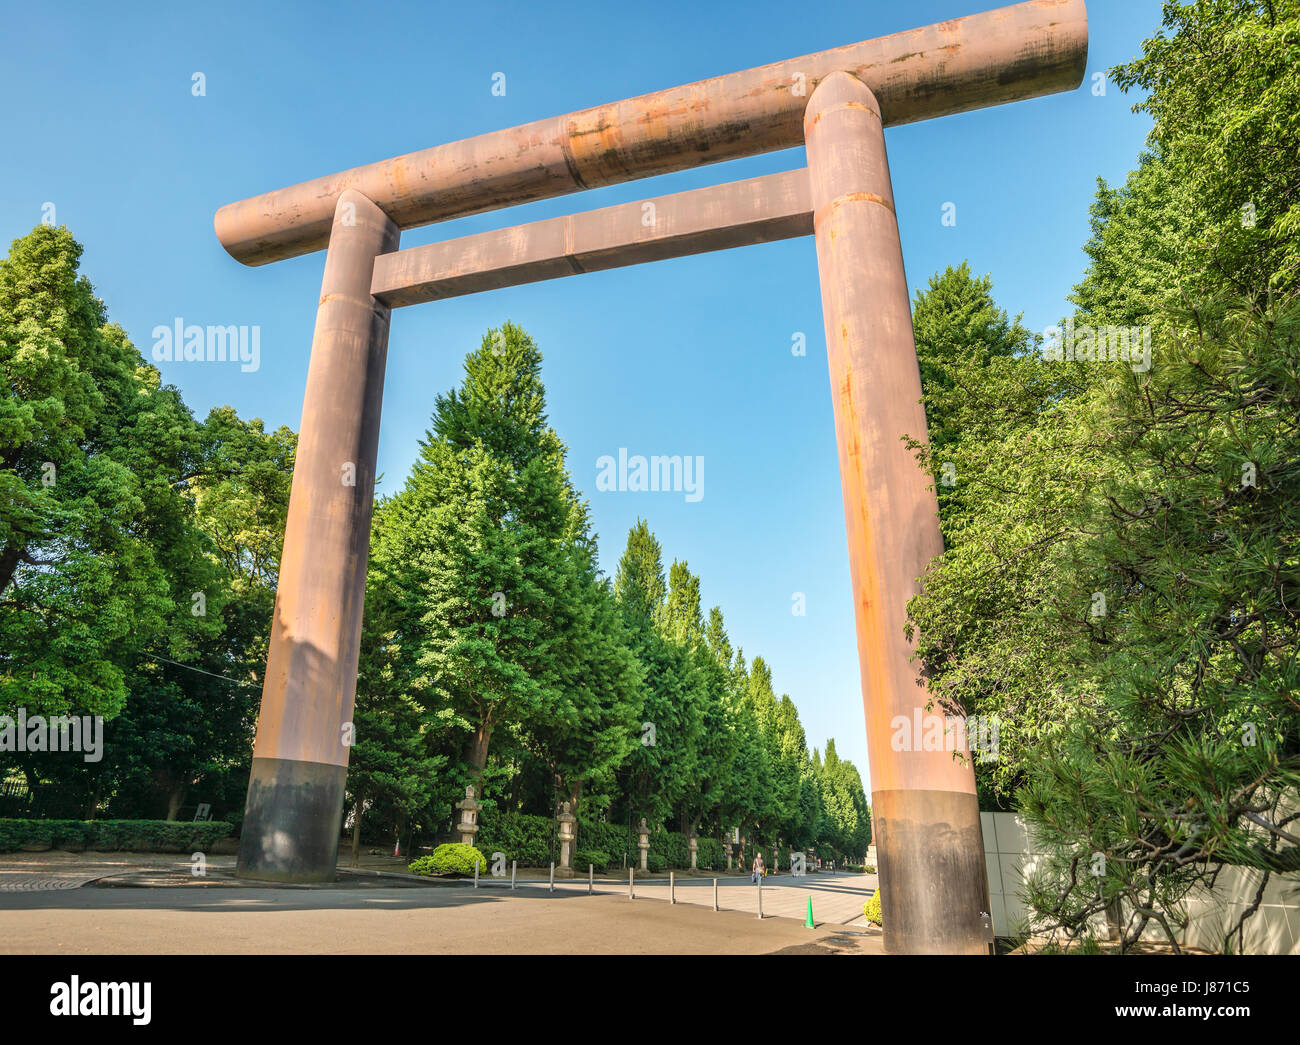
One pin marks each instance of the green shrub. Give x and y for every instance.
(450, 858)
(135, 836)
(871, 909)
(597, 858)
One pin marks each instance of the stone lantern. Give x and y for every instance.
(468, 825)
(644, 843)
(695, 848)
(568, 835)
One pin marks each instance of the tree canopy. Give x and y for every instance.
(1119, 588)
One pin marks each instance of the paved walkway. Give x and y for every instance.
(394, 921)
(45, 912)
(837, 898)
(55, 870)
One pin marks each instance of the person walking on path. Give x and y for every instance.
(758, 869)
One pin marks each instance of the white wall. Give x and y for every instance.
(1274, 929)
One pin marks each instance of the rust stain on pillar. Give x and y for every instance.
(295, 796)
(924, 810)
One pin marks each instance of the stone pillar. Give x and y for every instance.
(468, 826)
(924, 811)
(726, 847)
(294, 810)
(694, 843)
(568, 839)
(644, 843)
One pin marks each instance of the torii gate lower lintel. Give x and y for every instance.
(934, 889)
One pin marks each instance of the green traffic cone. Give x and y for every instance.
(809, 924)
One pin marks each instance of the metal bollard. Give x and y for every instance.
(630, 894)
(552, 876)
(591, 874)
(476, 874)
(672, 898)
(512, 875)
(715, 894)
(760, 896)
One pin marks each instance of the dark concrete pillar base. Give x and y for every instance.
(292, 822)
(933, 882)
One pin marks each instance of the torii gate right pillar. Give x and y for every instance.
(925, 817)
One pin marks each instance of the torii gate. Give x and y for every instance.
(836, 103)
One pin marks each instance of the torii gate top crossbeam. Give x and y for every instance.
(1004, 55)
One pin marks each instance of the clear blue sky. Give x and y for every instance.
(690, 356)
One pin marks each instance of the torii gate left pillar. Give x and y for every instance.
(294, 810)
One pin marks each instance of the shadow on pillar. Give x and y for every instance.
(293, 817)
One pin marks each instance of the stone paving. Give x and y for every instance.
(837, 898)
(57, 870)
(14, 883)
(395, 921)
(45, 912)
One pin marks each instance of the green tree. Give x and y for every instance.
(1121, 590)
(665, 760)
(960, 331)
(98, 554)
(710, 775)
(398, 758)
(594, 728)
(192, 727)
(1222, 83)
(639, 582)
(502, 622)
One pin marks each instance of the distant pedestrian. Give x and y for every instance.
(758, 869)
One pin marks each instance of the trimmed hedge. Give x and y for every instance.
(872, 909)
(520, 836)
(130, 836)
(612, 839)
(531, 840)
(596, 858)
(710, 855)
(668, 849)
(450, 858)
